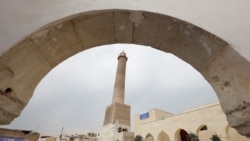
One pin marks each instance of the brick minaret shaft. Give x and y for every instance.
(119, 86)
(118, 111)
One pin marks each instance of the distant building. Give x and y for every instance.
(18, 135)
(91, 136)
(47, 138)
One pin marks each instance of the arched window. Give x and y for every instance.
(149, 137)
(183, 135)
(203, 128)
(125, 130)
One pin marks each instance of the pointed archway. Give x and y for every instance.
(163, 136)
(183, 135)
(149, 137)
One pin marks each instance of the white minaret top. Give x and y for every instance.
(119, 87)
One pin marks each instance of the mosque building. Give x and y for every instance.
(158, 125)
(212, 36)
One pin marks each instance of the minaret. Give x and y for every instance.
(117, 115)
(118, 95)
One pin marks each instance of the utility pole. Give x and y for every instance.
(61, 134)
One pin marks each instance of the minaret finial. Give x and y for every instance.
(122, 54)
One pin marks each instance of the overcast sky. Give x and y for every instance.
(75, 94)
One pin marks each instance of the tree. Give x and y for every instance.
(192, 137)
(215, 137)
(138, 138)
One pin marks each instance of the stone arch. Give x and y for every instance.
(163, 136)
(232, 135)
(25, 64)
(149, 137)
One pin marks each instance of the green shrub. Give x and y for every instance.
(215, 137)
(138, 138)
(192, 137)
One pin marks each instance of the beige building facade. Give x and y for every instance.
(204, 121)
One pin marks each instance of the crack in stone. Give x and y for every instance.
(133, 33)
(114, 25)
(14, 99)
(8, 116)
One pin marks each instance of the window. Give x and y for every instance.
(119, 129)
(203, 128)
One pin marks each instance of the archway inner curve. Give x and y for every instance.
(29, 61)
(163, 137)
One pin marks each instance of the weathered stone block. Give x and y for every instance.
(57, 43)
(229, 74)
(123, 27)
(22, 68)
(95, 28)
(195, 46)
(154, 30)
(117, 112)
